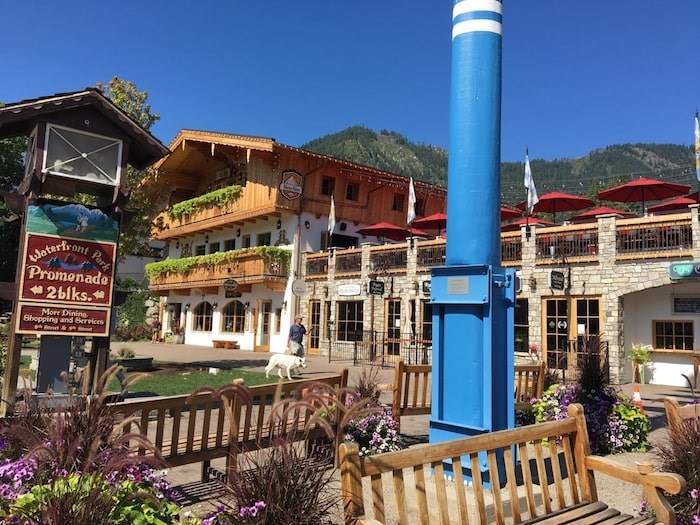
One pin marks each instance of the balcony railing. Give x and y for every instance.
(664, 238)
(348, 262)
(643, 238)
(248, 268)
(580, 244)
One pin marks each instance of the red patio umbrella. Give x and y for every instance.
(508, 213)
(642, 190)
(592, 215)
(679, 203)
(556, 201)
(391, 231)
(436, 221)
(522, 221)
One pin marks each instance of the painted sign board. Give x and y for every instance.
(69, 255)
(67, 271)
(684, 270)
(349, 289)
(33, 318)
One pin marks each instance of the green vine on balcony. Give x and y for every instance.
(184, 265)
(219, 197)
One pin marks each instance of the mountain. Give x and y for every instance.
(391, 151)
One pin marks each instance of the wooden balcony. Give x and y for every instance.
(246, 270)
(212, 217)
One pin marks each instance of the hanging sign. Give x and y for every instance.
(291, 185)
(375, 287)
(557, 280)
(684, 270)
(298, 287)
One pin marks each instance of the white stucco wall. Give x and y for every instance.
(656, 304)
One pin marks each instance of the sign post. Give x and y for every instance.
(77, 143)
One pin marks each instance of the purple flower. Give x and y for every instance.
(694, 493)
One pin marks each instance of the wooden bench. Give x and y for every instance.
(428, 482)
(228, 345)
(197, 428)
(411, 392)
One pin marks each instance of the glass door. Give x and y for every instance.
(264, 315)
(556, 328)
(393, 326)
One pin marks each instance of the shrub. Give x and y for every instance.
(289, 481)
(136, 332)
(681, 454)
(71, 464)
(614, 423)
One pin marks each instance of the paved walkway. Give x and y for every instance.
(186, 478)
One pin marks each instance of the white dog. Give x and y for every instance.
(286, 361)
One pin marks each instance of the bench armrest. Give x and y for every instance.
(653, 483)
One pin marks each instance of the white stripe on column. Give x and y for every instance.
(477, 25)
(469, 6)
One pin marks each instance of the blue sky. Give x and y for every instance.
(577, 74)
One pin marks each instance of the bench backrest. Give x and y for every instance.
(529, 383)
(412, 388)
(194, 428)
(410, 485)
(676, 414)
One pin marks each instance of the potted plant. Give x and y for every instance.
(640, 356)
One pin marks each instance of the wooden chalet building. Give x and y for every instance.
(231, 276)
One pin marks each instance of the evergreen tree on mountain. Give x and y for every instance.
(585, 176)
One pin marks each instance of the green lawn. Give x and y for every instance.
(184, 381)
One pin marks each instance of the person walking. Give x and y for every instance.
(155, 327)
(296, 337)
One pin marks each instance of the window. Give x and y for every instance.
(278, 321)
(397, 205)
(245, 243)
(201, 249)
(229, 245)
(522, 338)
(352, 192)
(327, 186)
(233, 318)
(427, 322)
(264, 239)
(349, 320)
(327, 332)
(420, 207)
(202, 317)
(673, 335)
(214, 247)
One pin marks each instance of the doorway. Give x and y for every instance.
(567, 321)
(314, 327)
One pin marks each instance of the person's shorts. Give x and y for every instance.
(297, 349)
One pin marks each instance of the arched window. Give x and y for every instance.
(202, 317)
(233, 318)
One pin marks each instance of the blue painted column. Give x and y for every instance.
(473, 296)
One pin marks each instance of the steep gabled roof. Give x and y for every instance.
(20, 117)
